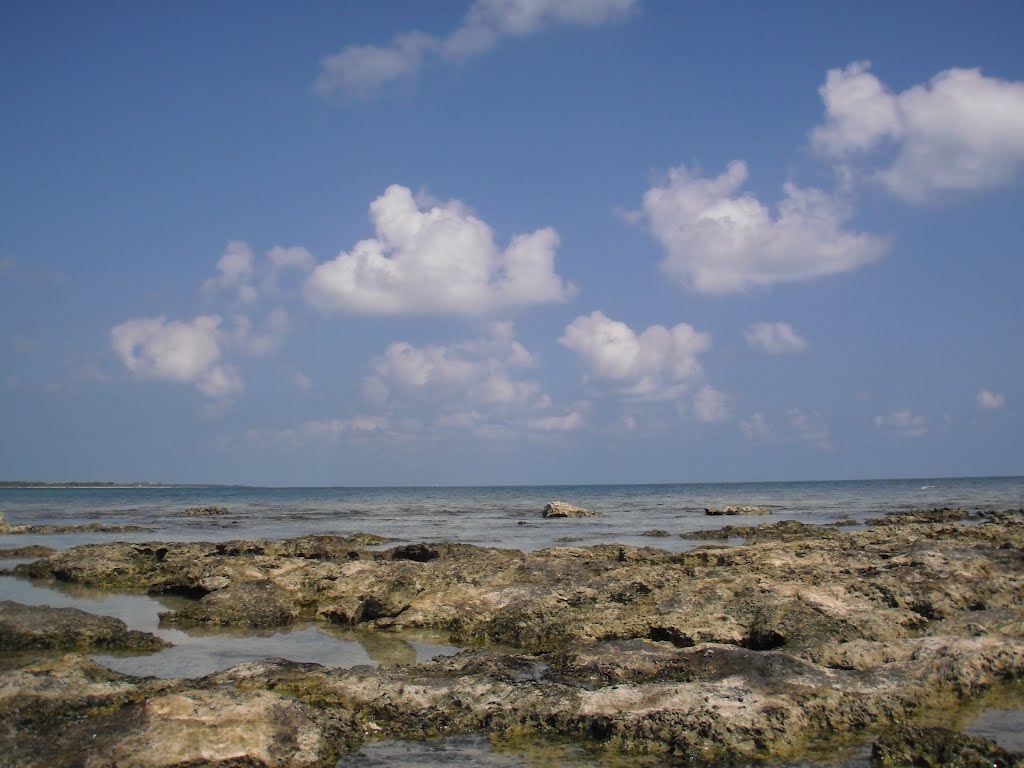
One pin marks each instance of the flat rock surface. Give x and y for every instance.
(717, 656)
(30, 627)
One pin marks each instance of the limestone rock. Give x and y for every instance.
(30, 627)
(563, 509)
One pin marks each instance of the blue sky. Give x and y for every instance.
(510, 241)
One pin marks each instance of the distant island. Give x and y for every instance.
(80, 484)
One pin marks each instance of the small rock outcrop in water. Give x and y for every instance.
(737, 511)
(26, 627)
(206, 511)
(563, 509)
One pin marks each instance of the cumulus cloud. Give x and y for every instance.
(155, 348)
(903, 423)
(360, 70)
(990, 400)
(958, 132)
(479, 371)
(774, 338)
(436, 259)
(658, 364)
(719, 240)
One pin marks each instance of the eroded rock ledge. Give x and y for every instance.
(721, 655)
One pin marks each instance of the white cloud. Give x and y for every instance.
(960, 131)
(774, 338)
(903, 423)
(755, 429)
(476, 386)
(479, 371)
(720, 241)
(711, 406)
(438, 259)
(360, 70)
(658, 364)
(153, 348)
(236, 267)
(990, 400)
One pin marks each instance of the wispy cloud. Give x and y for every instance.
(360, 70)
(774, 338)
(903, 423)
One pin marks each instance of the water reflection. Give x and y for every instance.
(199, 651)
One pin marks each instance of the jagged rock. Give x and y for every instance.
(939, 748)
(30, 627)
(563, 509)
(737, 511)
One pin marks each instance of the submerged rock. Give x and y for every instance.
(7, 528)
(564, 509)
(31, 627)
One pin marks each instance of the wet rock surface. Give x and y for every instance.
(33, 550)
(939, 748)
(24, 627)
(717, 656)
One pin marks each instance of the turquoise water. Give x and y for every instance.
(488, 516)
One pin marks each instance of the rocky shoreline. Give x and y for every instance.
(723, 655)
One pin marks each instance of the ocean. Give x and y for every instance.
(501, 516)
(486, 516)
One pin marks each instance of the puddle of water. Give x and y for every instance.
(202, 651)
(1003, 726)
(487, 752)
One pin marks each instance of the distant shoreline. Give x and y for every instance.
(32, 485)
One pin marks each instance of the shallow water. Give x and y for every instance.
(486, 516)
(202, 651)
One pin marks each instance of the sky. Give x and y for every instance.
(510, 241)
